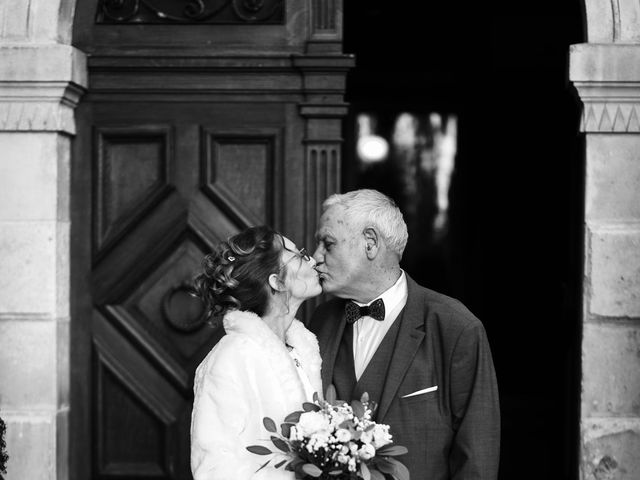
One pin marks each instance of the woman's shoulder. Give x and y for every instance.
(228, 353)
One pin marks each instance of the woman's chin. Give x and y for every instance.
(317, 290)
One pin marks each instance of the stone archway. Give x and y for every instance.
(606, 73)
(41, 79)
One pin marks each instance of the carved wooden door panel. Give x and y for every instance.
(168, 183)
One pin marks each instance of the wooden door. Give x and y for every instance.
(190, 131)
(168, 182)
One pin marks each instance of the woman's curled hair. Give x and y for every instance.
(236, 274)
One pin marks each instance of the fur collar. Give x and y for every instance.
(306, 345)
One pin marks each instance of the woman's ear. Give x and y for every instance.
(275, 283)
(372, 243)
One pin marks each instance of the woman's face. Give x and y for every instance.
(301, 279)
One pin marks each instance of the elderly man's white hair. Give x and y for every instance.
(370, 206)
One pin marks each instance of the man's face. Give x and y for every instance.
(340, 255)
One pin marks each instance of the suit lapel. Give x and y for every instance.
(331, 345)
(410, 336)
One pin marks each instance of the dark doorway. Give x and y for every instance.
(511, 247)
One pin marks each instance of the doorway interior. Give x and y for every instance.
(492, 80)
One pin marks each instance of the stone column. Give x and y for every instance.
(607, 77)
(40, 84)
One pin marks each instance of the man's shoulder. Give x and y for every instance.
(440, 308)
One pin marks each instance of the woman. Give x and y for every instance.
(266, 365)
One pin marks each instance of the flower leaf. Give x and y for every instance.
(358, 408)
(399, 470)
(335, 473)
(312, 470)
(310, 407)
(364, 398)
(316, 397)
(285, 428)
(392, 450)
(293, 417)
(259, 450)
(364, 470)
(269, 424)
(279, 443)
(376, 475)
(384, 465)
(279, 464)
(263, 465)
(331, 394)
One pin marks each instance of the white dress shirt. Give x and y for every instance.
(368, 332)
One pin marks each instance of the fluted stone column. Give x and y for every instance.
(607, 77)
(41, 81)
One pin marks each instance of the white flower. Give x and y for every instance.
(337, 418)
(312, 422)
(381, 435)
(366, 437)
(342, 458)
(352, 464)
(366, 452)
(319, 439)
(343, 435)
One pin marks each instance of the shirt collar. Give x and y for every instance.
(393, 295)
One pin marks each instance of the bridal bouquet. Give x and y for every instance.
(330, 439)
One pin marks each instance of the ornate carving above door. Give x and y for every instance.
(137, 12)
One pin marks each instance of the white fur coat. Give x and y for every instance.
(248, 375)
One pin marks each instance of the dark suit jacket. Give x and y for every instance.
(452, 433)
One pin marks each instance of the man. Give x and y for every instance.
(422, 356)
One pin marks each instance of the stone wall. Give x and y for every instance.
(607, 77)
(40, 82)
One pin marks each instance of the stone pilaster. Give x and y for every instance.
(40, 84)
(607, 78)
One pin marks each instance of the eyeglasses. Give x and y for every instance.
(302, 254)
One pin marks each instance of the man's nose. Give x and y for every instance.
(318, 255)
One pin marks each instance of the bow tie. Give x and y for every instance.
(354, 311)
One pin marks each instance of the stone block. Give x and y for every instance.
(28, 176)
(614, 271)
(604, 62)
(613, 177)
(34, 446)
(28, 267)
(31, 63)
(611, 367)
(610, 449)
(29, 364)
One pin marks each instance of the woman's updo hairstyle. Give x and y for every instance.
(236, 274)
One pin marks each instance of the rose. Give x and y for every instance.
(343, 435)
(381, 435)
(312, 422)
(366, 452)
(366, 437)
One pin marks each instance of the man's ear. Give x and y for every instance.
(372, 242)
(275, 283)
